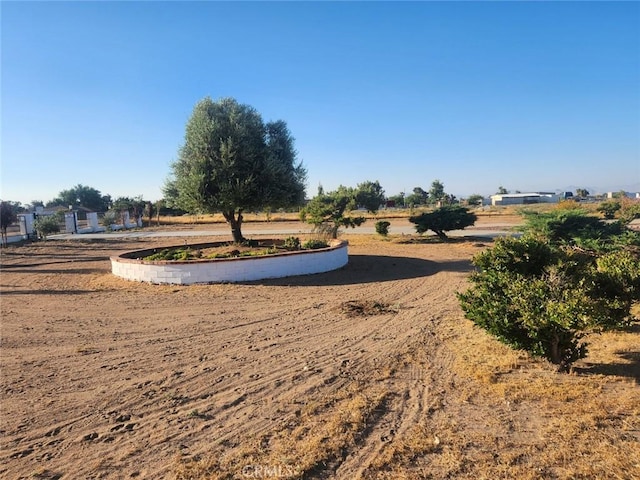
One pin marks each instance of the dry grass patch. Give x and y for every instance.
(315, 437)
(580, 426)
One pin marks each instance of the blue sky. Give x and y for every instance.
(525, 95)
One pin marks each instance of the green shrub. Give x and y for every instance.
(530, 306)
(382, 227)
(220, 255)
(258, 253)
(543, 296)
(616, 282)
(444, 219)
(314, 244)
(173, 254)
(629, 210)
(609, 209)
(291, 243)
(46, 225)
(568, 227)
(578, 229)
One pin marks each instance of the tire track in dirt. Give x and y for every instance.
(402, 411)
(418, 368)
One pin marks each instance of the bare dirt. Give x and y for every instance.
(370, 371)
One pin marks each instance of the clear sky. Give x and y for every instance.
(525, 95)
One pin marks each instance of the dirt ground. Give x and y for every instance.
(367, 372)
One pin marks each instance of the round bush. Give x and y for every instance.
(382, 227)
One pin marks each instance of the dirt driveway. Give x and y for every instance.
(366, 372)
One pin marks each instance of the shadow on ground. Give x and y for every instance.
(629, 367)
(47, 292)
(18, 266)
(373, 268)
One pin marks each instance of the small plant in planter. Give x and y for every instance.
(314, 244)
(258, 253)
(291, 243)
(179, 254)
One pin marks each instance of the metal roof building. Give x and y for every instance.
(524, 198)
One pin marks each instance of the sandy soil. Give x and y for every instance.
(104, 378)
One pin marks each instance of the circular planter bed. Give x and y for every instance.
(223, 262)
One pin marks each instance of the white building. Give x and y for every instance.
(524, 198)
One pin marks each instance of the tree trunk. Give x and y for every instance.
(441, 235)
(555, 350)
(235, 223)
(557, 357)
(150, 207)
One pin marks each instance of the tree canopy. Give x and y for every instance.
(231, 161)
(582, 192)
(444, 219)
(436, 192)
(418, 197)
(327, 212)
(398, 200)
(135, 206)
(82, 195)
(475, 199)
(370, 195)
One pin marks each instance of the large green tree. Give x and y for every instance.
(418, 197)
(135, 206)
(231, 161)
(436, 192)
(370, 195)
(82, 195)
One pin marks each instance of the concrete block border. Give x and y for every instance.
(130, 266)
